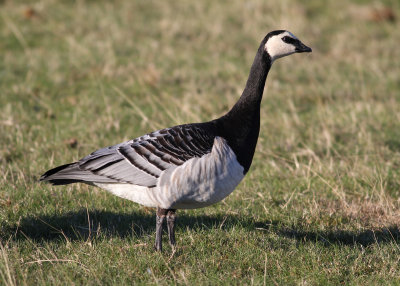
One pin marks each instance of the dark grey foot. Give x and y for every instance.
(159, 224)
(161, 214)
(171, 217)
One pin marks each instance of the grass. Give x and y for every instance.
(320, 204)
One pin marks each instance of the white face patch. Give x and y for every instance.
(277, 48)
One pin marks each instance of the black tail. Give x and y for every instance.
(73, 173)
(57, 176)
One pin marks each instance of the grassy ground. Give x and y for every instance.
(320, 204)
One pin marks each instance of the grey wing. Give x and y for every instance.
(140, 161)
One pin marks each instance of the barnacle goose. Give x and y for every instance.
(186, 166)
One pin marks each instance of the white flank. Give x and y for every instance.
(277, 48)
(199, 182)
(138, 194)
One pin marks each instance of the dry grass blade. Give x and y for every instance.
(5, 270)
(40, 261)
(145, 119)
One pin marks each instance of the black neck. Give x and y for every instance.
(253, 92)
(241, 125)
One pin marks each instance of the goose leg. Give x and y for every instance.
(171, 227)
(160, 216)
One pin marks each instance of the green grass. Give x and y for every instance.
(320, 204)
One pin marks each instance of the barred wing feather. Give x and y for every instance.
(139, 161)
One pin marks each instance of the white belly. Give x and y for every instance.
(197, 183)
(138, 194)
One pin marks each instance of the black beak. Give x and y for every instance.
(301, 48)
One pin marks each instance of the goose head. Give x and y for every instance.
(281, 43)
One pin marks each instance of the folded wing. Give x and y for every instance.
(140, 161)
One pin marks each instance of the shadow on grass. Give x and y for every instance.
(75, 226)
(341, 237)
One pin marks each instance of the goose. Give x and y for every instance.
(186, 166)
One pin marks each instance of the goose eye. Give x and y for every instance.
(288, 40)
